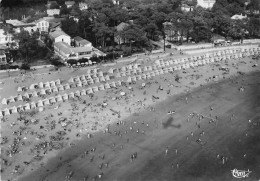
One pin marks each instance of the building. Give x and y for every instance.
(19, 25)
(42, 25)
(83, 6)
(69, 4)
(5, 38)
(80, 42)
(186, 8)
(208, 4)
(52, 12)
(2, 57)
(119, 28)
(115, 2)
(59, 36)
(238, 17)
(66, 51)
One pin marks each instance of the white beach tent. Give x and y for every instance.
(76, 79)
(129, 79)
(66, 86)
(89, 90)
(55, 89)
(90, 81)
(19, 89)
(138, 77)
(100, 74)
(60, 88)
(40, 85)
(130, 67)
(118, 75)
(154, 67)
(133, 78)
(165, 71)
(136, 65)
(157, 61)
(170, 69)
(123, 69)
(119, 83)
(107, 86)
(11, 99)
(20, 108)
(27, 106)
(157, 72)
(96, 80)
(79, 84)
(71, 95)
(57, 82)
(134, 71)
(128, 72)
(161, 71)
(39, 103)
(26, 95)
(95, 89)
(71, 80)
(45, 101)
(167, 63)
(111, 71)
(123, 74)
(152, 74)
(143, 76)
(148, 75)
(85, 83)
(52, 84)
(150, 68)
(145, 68)
(6, 112)
(139, 70)
(32, 105)
(88, 76)
(13, 110)
(46, 84)
(32, 87)
(113, 84)
(4, 101)
(82, 77)
(171, 62)
(83, 92)
(52, 100)
(58, 98)
(102, 79)
(77, 93)
(48, 91)
(65, 97)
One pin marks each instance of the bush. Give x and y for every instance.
(25, 66)
(57, 63)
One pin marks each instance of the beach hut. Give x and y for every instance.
(66, 86)
(60, 88)
(40, 85)
(148, 75)
(123, 69)
(32, 87)
(107, 86)
(154, 67)
(52, 100)
(89, 90)
(161, 71)
(111, 71)
(46, 84)
(95, 89)
(118, 75)
(58, 98)
(165, 71)
(113, 84)
(57, 82)
(157, 72)
(65, 97)
(145, 68)
(130, 67)
(11, 99)
(96, 80)
(83, 92)
(79, 84)
(39, 103)
(32, 105)
(52, 84)
(20, 108)
(6, 112)
(71, 80)
(19, 89)
(4, 101)
(71, 95)
(118, 83)
(73, 85)
(134, 78)
(45, 102)
(27, 106)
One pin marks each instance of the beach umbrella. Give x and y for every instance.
(65, 97)
(96, 80)
(83, 92)
(107, 86)
(19, 89)
(90, 81)
(95, 89)
(57, 82)
(77, 93)
(79, 84)
(71, 80)
(111, 70)
(113, 84)
(89, 91)
(46, 85)
(40, 85)
(52, 84)
(66, 86)
(27, 106)
(71, 95)
(58, 98)
(13, 110)
(4, 101)
(45, 101)
(6, 112)
(32, 105)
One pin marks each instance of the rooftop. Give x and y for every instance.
(57, 33)
(67, 49)
(81, 40)
(121, 26)
(69, 2)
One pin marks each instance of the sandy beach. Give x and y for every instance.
(191, 124)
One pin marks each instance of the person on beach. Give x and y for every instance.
(166, 151)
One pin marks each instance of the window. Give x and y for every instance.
(46, 24)
(42, 23)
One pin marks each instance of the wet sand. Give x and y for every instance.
(232, 137)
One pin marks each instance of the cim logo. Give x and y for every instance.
(240, 173)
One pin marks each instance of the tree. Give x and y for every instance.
(70, 27)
